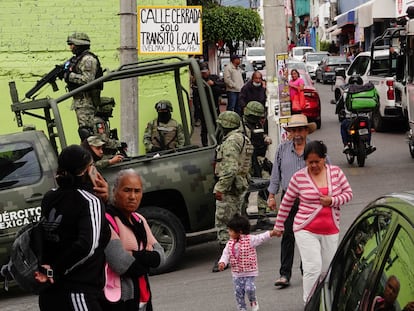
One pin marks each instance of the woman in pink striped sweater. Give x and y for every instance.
(321, 189)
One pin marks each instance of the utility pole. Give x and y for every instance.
(276, 42)
(129, 87)
(275, 36)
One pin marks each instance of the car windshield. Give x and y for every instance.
(337, 60)
(255, 52)
(296, 65)
(315, 57)
(298, 52)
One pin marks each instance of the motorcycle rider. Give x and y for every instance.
(348, 116)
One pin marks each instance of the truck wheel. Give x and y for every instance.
(377, 121)
(169, 232)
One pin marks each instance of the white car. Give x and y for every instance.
(298, 52)
(312, 60)
(256, 56)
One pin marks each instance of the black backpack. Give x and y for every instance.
(25, 259)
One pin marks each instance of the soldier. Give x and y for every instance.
(253, 121)
(83, 68)
(163, 133)
(233, 161)
(95, 146)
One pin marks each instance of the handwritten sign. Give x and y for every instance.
(169, 30)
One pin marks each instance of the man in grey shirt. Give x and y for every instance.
(288, 160)
(233, 79)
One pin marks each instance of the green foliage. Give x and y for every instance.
(231, 24)
(324, 45)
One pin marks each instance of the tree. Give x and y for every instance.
(231, 25)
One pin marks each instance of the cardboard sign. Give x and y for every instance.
(169, 30)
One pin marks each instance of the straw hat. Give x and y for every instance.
(299, 120)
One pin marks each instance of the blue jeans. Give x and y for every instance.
(233, 102)
(345, 134)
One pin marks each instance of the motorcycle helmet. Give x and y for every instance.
(355, 80)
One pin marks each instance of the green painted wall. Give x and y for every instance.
(33, 40)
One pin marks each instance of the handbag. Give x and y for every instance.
(298, 101)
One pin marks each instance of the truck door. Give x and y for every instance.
(25, 176)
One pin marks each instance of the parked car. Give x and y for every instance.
(295, 64)
(297, 52)
(325, 71)
(312, 101)
(379, 243)
(312, 60)
(256, 56)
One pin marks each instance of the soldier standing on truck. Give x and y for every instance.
(163, 133)
(253, 122)
(81, 69)
(233, 161)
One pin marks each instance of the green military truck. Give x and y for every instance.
(177, 202)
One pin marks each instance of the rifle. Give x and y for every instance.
(57, 72)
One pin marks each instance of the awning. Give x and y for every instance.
(345, 18)
(336, 32)
(332, 28)
(374, 9)
(365, 14)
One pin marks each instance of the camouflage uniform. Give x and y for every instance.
(260, 164)
(101, 129)
(233, 161)
(81, 69)
(161, 135)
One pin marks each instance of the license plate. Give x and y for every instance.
(363, 131)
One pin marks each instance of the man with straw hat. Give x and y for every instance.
(288, 160)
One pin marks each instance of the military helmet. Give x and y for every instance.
(229, 119)
(254, 108)
(78, 38)
(163, 105)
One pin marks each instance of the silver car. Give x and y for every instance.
(312, 60)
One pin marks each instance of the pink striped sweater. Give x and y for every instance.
(301, 186)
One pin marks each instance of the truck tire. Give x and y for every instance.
(169, 232)
(377, 121)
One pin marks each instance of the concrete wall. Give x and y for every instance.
(33, 40)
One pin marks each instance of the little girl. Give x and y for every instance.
(240, 252)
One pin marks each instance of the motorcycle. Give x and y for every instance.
(353, 108)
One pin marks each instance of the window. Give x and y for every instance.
(19, 165)
(359, 66)
(354, 262)
(398, 262)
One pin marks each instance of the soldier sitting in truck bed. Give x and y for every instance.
(163, 133)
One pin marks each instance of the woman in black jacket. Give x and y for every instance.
(75, 234)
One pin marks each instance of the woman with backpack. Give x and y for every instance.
(75, 234)
(133, 249)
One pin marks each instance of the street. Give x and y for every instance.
(193, 287)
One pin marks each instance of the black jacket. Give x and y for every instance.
(76, 233)
(249, 92)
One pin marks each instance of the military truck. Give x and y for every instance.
(178, 200)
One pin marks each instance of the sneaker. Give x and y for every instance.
(371, 149)
(346, 149)
(254, 305)
(264, 224)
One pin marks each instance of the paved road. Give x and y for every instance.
(192, 287)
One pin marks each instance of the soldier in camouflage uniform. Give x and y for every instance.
(95, 146)
(163, 133)
(233, 161)
(81, 69)
(253, 123)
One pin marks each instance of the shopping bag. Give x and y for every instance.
(298, 101)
